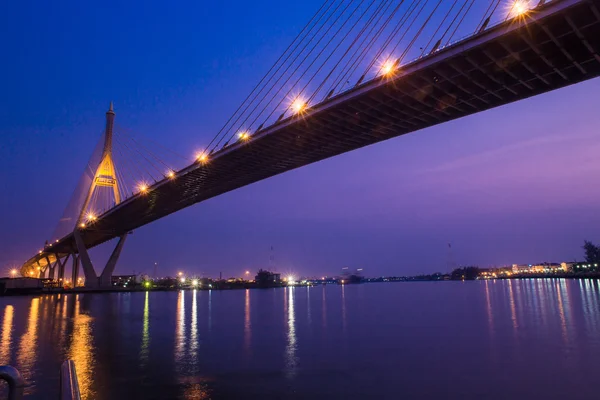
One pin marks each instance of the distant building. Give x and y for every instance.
(267, 278)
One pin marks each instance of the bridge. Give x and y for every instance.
(529, 50)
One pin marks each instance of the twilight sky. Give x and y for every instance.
(517, 184)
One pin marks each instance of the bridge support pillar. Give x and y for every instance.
(91, 279)
(75, 272)
(61, 268)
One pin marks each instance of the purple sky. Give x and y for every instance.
(516, 184)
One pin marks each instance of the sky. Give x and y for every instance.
(516, 184)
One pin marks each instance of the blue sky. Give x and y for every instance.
(514, 184)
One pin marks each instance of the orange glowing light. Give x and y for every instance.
(244, 135)
(519, 8)
(388, 67)
(13, 272)
(82, 225)
(299, 105)
(202, 157)
(171, 174)
(143, 188)
(91, 217)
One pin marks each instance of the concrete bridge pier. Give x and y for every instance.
(93, 281)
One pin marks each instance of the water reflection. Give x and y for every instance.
(7, 327)
(145, 331)
(28, 347)
(180, 327)
(513, 311)
(194, 329)
(290, 350)
(82, 350)
(489, 307)
(561, 312)
(247, 327)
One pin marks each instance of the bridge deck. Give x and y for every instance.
(556, 45)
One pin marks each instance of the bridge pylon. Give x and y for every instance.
(105, 176)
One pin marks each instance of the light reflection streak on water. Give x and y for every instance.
(7, 327)
(589, 305)
(561, 312)
(210, 310)
(324, 309)
(344, 308)
(145, 331)
(81, 350)
(489, 307)
(26, 356)
(194, 328)
(290, 351)
(180, 328)
(247, 326)
(513, 311)
(308, 305)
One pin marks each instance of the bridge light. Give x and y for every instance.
(202, 157)
(13, 272)
(171, 174)
(299, 105)
(56, 240)
(90, 216)
(519, 8)
(31, 273)
(143, 188)
(388, 67)
(82, 225)
(244, 135)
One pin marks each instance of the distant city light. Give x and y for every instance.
(195, 282)
(247, 272)
(147, 284)
(180, 273)
(244, 135)
(182, 280)
(299, 105)
(290, 280)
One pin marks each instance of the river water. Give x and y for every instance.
(421, 340)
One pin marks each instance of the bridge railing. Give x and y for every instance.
(16, 384)
(69, 386)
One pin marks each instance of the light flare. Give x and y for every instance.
(519, 8)
(244, 135)
(143, 187)
(299, 105)
(387, 67)
(202, 157)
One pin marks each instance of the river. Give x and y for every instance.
(518, 339)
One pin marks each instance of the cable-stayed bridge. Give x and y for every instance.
(360, 72)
